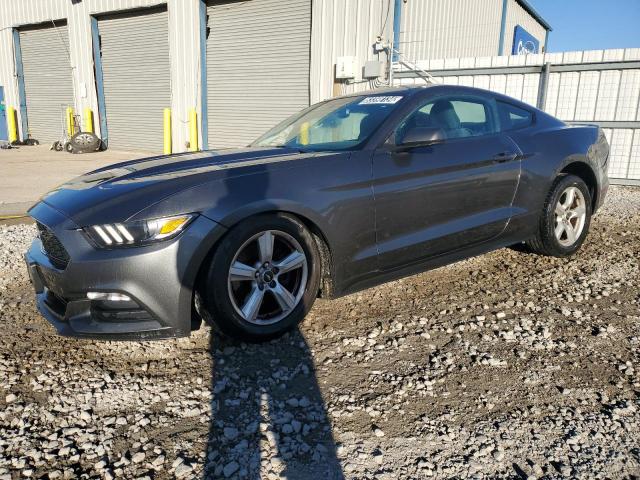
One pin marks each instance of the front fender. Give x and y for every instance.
(231, 200)
(264, 206)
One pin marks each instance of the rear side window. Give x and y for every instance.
(512, 117)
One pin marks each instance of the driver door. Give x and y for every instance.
(438, 198)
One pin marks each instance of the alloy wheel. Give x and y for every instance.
(570, 216)
(267, 277)
(84, 139)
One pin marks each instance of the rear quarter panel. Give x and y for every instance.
(548, 148)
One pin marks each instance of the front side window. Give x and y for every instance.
(512, 117)
(455, 117)
(340, 124)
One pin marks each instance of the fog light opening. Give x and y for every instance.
(109, 296)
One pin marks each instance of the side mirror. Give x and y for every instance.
(422, 137)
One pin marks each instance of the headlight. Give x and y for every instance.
(139, 232)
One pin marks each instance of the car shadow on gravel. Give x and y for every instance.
(268, 417)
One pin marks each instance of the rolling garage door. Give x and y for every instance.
(257, 67)
(136, 78)
(48, 81)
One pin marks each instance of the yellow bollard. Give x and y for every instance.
(193, 130)
(304, 133)
(70, 128)
(88, 120)
(167, 131)
(13, 125)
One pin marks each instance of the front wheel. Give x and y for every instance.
(565, 219)
(263, 278)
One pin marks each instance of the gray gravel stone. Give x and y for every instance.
(507, 358)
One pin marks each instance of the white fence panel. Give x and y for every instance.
(587, 95)
(608, 95)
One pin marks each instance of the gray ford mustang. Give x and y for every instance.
(347, 194)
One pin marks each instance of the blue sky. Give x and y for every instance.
(591, 24)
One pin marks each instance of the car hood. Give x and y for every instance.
(121, 190)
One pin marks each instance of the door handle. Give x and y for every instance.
(505, 157)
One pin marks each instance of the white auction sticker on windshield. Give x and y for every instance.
(385, 100)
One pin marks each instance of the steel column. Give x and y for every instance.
(542, 86)
(204, 121)
(546, 42)
(503, 26)
(97, 63)
(22, 97)
(397, 17)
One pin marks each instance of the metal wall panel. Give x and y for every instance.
(47, 80)
(136, 78)
(450, 28)
(438, 29)
(183, 37)
(516, 15)
(345, 28)
(257, 67)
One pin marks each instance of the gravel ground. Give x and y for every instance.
(509, 365)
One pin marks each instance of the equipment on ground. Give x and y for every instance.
(72, 142)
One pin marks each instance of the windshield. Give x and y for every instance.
(340, 124)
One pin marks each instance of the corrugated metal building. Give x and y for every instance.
(242, 65)
(466, 28)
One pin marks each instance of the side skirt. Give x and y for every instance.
(519, 230)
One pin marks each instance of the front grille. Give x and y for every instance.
(52, 247)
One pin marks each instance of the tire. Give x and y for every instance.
(570, 218)
(225, 294)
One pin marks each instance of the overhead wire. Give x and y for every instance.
(386, 18)
(66, 47)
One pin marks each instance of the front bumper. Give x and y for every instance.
(158, 278)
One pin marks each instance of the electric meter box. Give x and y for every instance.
(345, 68)
(372, 69)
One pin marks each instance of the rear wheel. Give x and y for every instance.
(263, 278)
(565, 219)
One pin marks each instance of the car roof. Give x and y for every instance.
(411, 90)
(387, 91)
